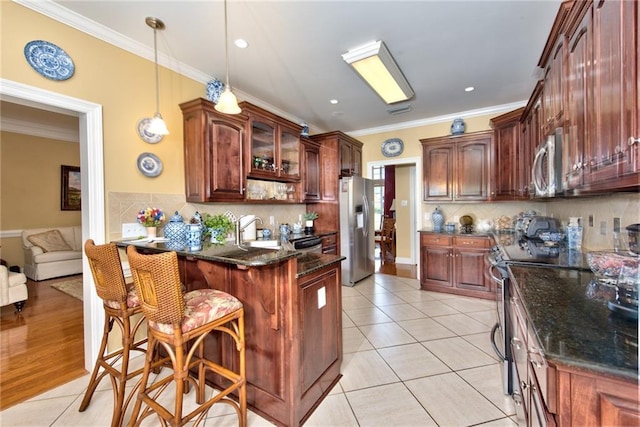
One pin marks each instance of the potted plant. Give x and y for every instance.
(309, 217)
(217, 227)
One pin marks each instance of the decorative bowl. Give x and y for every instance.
(606, 265)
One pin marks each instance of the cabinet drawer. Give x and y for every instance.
(436, 240)
(329, 240)
(472, 242)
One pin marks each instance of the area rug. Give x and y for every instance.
(71, 287)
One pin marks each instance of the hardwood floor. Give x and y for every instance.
(400, 270)
(43, 347)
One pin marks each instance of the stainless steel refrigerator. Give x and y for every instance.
(356, 229)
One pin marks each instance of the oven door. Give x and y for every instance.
(500, 333)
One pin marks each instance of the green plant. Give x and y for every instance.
(310, 216)
(218, 222)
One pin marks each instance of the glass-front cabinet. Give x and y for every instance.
(274, 146)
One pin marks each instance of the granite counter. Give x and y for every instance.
(573, 323)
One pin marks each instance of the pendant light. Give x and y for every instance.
(157, 125)
(227, 103)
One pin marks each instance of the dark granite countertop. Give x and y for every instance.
(573, 323)
(310, 262)
(248, 256)
(456, 233)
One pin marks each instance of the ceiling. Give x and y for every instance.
(293, 64)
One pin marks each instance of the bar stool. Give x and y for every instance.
(179, 323)
(120, 305)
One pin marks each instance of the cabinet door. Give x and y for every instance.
(576, 144)
(262, 146)
(289, 153)
(436, 266)
(329, 173)
(311, 175)
(356, 158)
(321, 325)
(472, 169)
(505, 161)
(346, 159)
(470, 269)
(553, 97)
(225, 164)
(528, 143)
(438, 172)
(615, 87)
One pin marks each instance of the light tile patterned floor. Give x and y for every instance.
(411, 358)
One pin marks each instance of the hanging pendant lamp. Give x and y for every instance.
(157, 125)
(227, 103)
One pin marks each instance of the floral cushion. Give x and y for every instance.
(202, 306)
(132, 300)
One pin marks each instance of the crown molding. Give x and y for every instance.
(36, 129)
(496, 109)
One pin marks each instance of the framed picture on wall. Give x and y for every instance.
(71, 189)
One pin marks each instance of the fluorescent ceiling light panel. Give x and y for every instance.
(376, 66)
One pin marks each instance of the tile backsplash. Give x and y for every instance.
(603, 209)
(123, 207)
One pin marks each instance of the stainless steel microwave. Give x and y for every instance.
(546, 173)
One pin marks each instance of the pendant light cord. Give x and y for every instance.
(226, 43)
(155, 50)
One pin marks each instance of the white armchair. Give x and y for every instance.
(13, 288)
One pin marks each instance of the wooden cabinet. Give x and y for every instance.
(530, 139)
(213, 153)
(330, 244)
(586, 399)
(553, 102)
(311, 171)
(350, 157)
(455, 264)
(509, 157)
(457, 168)
(602, 84)
(273, 146)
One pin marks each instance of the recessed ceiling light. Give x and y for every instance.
(334, 101)
(469, 89)
(241, 43)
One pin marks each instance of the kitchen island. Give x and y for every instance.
(293, 321)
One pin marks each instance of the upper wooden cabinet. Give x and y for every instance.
(530, 138)
(457, 168)
(337, 149)
(601, 147)
(311, 171)
(213, 153)
(509, 157)
(273, 145)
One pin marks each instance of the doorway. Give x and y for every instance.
(92, 175)
(407, 230)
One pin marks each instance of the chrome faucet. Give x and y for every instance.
(240, 228)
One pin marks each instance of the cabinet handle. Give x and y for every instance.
(516, 342)
(523, 385)
(633, 141)
(517, 398)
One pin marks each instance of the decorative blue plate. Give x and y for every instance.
(149, 164)
(214, 90)
(49, 60)
(392, 147)
(143, 131)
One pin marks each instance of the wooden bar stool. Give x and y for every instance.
(120, 304)
(179, 323)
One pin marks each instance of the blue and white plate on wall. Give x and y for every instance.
(214, 90)
(49, 60)
(392, 147)
(144, 134)
(149, 165)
